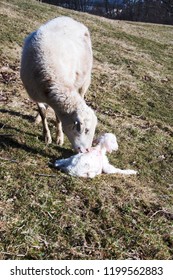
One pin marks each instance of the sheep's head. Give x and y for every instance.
(80, 131)
(108, 141)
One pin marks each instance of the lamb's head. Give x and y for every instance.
(108, 141)
(81, 128)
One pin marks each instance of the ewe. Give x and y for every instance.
(95, 162)
(56, 70)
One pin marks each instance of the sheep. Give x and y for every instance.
(94, 162)
(56, 66)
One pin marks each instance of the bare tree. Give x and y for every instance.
(168, 5)
(158, 11)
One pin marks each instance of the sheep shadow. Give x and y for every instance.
(7, 140)
(17, 114)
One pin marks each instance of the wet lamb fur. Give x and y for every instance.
(95, 161)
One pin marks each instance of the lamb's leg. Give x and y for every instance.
(46, 132)
(124, 171)
(59, 132)
(110, 169)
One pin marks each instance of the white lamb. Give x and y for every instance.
(95, 161)
(56, 70)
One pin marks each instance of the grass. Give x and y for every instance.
(46, 214)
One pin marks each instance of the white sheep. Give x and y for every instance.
(56, 70)
(95, 161)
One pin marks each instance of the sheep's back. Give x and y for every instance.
(58, 53)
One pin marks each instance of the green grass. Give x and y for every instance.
(46, 214)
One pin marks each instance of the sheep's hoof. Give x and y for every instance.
(48, 140)
(60, 141)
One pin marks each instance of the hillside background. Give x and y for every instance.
(156, 11)
(46, 214)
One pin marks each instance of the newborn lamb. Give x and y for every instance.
(94, 162)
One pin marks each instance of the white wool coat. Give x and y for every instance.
(94, 162)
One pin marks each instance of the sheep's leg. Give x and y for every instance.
(85, 86)
(59, 132)
(37, 119)
(46, 132)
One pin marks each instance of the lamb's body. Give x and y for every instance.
(93, 163)
(56, 70)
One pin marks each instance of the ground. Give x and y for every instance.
(46, 214)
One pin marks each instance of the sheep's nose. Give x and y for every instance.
(82, 150)
(79, 150)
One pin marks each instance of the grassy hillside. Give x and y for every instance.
(49, 215)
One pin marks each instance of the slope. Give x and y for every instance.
(49, 215)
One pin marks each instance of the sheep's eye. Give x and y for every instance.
(86, 130)
(77, 126)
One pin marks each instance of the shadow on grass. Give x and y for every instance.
(8, 142)
(18, 114)
(8, 127)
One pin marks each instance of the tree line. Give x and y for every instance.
(154, 11)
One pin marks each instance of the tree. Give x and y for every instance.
(158, 11)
